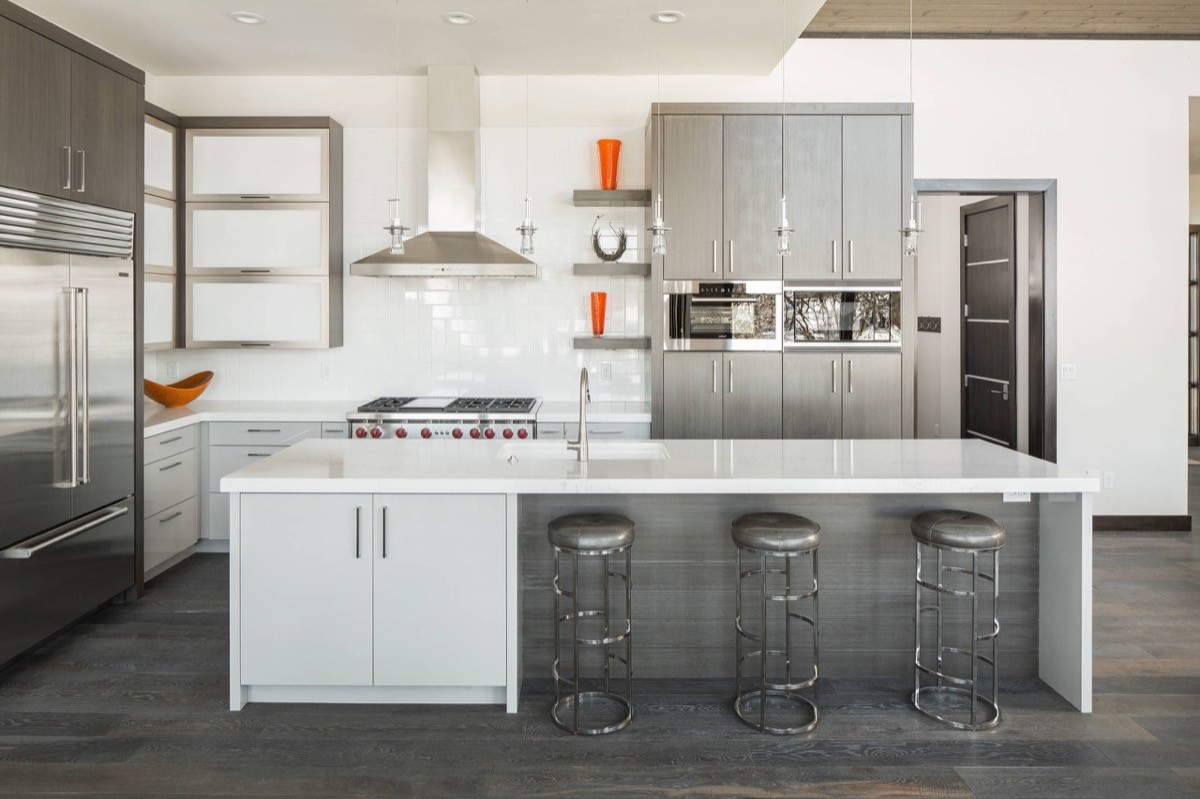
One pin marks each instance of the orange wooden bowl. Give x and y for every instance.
(180, 393)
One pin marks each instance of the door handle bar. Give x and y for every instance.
(63, 533)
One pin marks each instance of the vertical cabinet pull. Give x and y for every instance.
(833, 258)
(714, 373)
(850, 255)
(731, 256)
(731, 377)
(384, 534)
(82, 171)
(833, 374)
(849, 377)
(358, 532)
(716, 256)
(67, 157)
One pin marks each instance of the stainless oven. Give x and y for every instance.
(723, 315)
(838, 316)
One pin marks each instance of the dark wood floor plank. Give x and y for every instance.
(1075, 783)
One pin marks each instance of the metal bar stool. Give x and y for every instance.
(583, 535)
(780, 536)
(972, 534)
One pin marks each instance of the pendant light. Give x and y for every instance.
(527, 229)
(658, 229)
(912, 228)
(785, 230)
(396, 227)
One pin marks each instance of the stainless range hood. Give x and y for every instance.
(452, 247)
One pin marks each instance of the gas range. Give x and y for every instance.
(470, 418)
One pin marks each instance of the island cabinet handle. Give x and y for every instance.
(358, 532)
(384, 534)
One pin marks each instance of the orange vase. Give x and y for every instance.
(610, 153)
(599, 300)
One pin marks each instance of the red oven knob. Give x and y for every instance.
(507, 433)
(489, 433)
(426, 433)
(457, 433)
(360, 432)
(401, 432)
(376, 432)
(522, 433)
(474, 432)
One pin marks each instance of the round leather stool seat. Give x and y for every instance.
(776, 532)
(590, 532)
(958, 529)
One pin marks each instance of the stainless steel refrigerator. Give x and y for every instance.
(66, 413)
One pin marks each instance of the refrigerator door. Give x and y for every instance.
(105, 381)
(35, 433)
(52, 579)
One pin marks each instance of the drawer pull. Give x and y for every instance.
(258, 454)
(174, 515)
(603, 432)
(170, 440)
(263, 430)
(170, 466)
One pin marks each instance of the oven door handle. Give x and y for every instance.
(723, 300)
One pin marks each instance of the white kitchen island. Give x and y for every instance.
(396, 572)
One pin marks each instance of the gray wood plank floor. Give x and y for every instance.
(132, 703)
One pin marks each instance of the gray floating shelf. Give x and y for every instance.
(601, 198)
(612, 342)
(616, 269)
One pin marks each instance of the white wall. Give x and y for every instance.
(1108, 120)
(1194, 197)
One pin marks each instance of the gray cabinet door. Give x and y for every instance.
(872, 201)
(753, 165)
(106, 123)
(692, 196)
(692, 395)
(35, 111)
(813, 183)
(812, 395)
(753, 387)
(871, 400)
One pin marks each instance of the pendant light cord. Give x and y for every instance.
(910, 52)
(526, 99)
(662, 133)
(397, 99)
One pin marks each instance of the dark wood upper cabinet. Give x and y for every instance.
(35, 111)
(106, 123)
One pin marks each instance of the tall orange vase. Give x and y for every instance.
(610, 154)
(599, 301)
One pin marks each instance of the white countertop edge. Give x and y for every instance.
(164, 420)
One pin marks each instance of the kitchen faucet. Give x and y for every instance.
(580, 445)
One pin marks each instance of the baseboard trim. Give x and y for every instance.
(1142, 524)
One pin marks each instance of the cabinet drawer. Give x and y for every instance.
(225, 460)
(335, 430)
(258, 238)
(551, 430)
(170, 532)
(279, 434)
(609, 431)
(165, 445)
(170, 481)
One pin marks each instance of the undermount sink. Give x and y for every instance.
(599, 451)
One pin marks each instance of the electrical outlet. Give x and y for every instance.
(1066, 371)
(606, 371)
(1110, 480)
(937, 431)
(326, 370)
(172, 370)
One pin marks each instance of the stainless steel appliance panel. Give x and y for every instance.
(723, 315)
(35, 446)
(842, 316)
(56, 577)
(106, 380)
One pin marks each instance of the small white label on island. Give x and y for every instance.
(1016, 496)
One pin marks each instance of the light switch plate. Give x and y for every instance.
(1016, 496)
(1067, 371)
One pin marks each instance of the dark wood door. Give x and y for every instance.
(989, 291)
(106, 121)
(35, 112)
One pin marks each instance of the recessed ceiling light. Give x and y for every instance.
(667, 17)
(459, 18)
(246, 18)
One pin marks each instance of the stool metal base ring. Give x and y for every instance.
(566, 706)
(739, 707)
(933, 690)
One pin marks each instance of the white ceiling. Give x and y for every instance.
(359, 37)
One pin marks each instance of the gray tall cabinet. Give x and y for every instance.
(846, 170)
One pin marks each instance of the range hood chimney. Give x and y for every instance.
(452, 247)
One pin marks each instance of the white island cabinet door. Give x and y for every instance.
(305, 589)
(440, 590)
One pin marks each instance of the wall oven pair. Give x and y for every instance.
(766, 315)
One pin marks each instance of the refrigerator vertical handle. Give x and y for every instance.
(73, 383)
(85, 394)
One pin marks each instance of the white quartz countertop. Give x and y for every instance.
(162, 420)
(723, 467)
(568, 411)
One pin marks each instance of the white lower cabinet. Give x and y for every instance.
(439, 590)
(306, 589)
(390, 590)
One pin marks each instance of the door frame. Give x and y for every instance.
(1016, 383)
(1043, 296)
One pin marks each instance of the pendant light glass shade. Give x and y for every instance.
(527, 230)
(658, 229)
(912, 228)
(785, 230)
(396, 228)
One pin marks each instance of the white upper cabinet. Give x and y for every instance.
(236, 165)
(283, 312)
(159, 227)
(160, 158)
(258, 238)
(160, 311)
